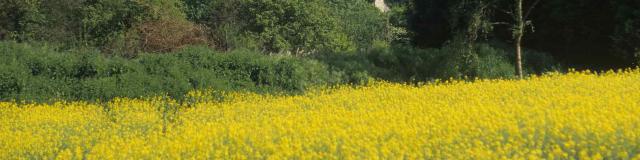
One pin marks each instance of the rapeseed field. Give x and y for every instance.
(579, 115)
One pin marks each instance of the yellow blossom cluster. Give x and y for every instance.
(579, 115)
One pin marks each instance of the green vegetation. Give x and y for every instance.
(87, 49)
(408, 64)
(40, 73)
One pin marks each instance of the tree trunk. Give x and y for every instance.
(518, 32)
(519, 57)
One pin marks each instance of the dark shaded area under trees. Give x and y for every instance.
(578, 33)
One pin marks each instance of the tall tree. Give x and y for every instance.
(521, 21)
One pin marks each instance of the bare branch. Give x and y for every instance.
(501, 23)
(526, 16)
(505, 11)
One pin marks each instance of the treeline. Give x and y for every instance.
(100, 49)
(129, 27)
(577, 33)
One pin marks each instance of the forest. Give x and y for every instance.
(102, 49)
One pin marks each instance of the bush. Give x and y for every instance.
(408, 64)
(537, 62)
(169, 35)
(494, 63)
(40, 73)
(396, 63)
(11, 81)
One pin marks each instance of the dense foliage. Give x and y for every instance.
(349, 41)
(110, 25)
(42, 74)
(124, 26)
(298, 26)
(408, 64)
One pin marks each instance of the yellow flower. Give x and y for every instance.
(580, 115)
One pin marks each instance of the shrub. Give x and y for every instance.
(537, 62)
(401, 63)
(169, 35)
(494, 63)
(11, 81)
(40, 73)
(396, 63)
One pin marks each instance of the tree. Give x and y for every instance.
(18, 18)
(360, 21)
(518, 28)
(469, 20)
(223, 20)
(298, 26)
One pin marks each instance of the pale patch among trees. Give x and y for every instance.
(382, 6)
